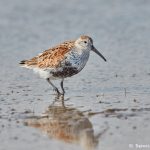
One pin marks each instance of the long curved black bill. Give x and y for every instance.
(98, 53)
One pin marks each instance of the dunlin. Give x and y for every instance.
(63, 60)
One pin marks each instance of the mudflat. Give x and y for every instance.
(106, 106)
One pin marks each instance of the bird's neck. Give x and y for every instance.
(82, 51)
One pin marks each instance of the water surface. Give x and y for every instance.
(106, 103)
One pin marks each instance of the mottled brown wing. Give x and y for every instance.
(52, 57)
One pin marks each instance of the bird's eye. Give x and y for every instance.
(85, 42)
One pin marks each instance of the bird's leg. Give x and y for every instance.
(62, 87)
(54, 87)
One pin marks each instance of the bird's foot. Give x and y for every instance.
(56, 90)
(59, 93)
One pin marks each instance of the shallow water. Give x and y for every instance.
(106, 103)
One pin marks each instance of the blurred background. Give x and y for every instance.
(117, 92)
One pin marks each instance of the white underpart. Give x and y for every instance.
(43, 73)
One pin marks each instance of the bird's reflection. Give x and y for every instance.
(67, 124)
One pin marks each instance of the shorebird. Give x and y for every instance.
(63, 60)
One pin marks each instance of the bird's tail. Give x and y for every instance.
(24, 63)
(32, 63)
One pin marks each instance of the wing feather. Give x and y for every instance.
(50, 58)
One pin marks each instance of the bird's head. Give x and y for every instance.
(86, 42)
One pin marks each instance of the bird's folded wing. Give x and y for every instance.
(50, 58)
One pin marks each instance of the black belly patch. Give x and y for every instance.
(65, 72)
